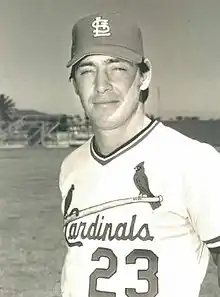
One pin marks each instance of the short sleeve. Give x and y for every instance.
(61, 179)
(66, 177)
(203, 193)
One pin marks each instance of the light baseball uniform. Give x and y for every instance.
(121, 242)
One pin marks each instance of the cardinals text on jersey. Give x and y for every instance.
(139, 222)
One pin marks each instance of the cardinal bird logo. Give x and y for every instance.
(141, 182)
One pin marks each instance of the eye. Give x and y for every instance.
(117, 67)
(86, 71)
(120, 68)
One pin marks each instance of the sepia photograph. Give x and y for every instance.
(109, 148)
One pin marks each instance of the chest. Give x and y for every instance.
(133, 198)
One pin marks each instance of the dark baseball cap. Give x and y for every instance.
(112, 34)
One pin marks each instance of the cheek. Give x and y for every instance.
(84, 98)
(82, 85)
(122, 87)
(129, 92)
(128, 86)
(84, 91)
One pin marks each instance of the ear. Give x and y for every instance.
(146, 76)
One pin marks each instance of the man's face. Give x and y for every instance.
(109, 90)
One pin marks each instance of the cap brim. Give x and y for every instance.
(114, 51)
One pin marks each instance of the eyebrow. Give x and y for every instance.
(84, 64)
(108, 61)
(115, 60)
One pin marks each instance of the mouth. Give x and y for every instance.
(105, 102)
(109, 105)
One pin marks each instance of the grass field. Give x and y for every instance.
(32, 247)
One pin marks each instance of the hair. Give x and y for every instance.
(143, 68)
(72, 73)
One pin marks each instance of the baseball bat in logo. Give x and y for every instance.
(74, 215)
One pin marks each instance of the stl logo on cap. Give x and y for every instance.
(101, 26)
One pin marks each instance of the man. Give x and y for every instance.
(140, 200)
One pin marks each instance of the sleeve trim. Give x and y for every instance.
(213, 243)
(215, 250)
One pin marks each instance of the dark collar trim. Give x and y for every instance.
(104, 159)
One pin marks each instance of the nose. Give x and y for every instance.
(102, 83)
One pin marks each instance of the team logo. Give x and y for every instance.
(76, 228)
(101, 27)
(142, 184)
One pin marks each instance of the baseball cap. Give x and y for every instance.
(112, 34)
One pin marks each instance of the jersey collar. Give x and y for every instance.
(105, 159)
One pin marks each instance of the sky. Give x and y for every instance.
(181, 39)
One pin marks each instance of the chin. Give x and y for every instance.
(111, 119)
(108, 124)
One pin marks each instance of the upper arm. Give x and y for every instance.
(65, 179)
(203, 200)
(66, 170)
(203, 195)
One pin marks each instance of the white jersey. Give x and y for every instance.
(139, 222)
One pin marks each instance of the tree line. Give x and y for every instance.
(7, 106)
(9, 114)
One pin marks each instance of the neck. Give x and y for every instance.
(108, 140)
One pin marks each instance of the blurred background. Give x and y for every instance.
(41, 119)
(180, 39)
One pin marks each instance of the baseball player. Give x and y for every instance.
(140, 201)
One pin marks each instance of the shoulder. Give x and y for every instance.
(171, 136)
(187, 146)
(74, 161)
(183, 153)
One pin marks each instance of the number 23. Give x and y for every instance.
(149, 274)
